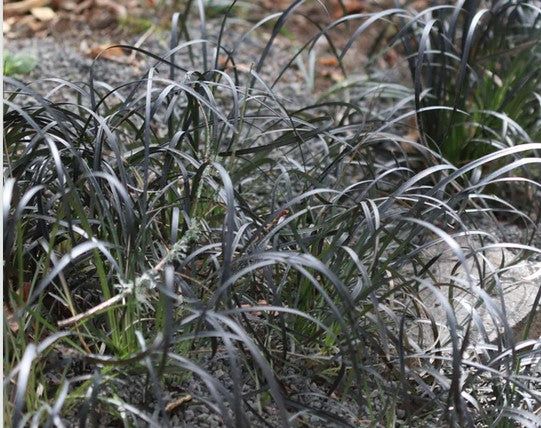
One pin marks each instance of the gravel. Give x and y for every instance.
(198, 408)
(66, 57)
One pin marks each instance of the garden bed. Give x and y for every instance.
(237, 247)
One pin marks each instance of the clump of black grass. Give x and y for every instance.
(482, 63)
(197, 218)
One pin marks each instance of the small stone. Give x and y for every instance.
(202, 418)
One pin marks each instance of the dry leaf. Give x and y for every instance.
(43, 13)
(246, 306)
(177, 403)
(110, 52)
(350, 6)
(261, 302)
(330, 61)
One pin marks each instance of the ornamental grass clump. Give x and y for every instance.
(481, 59)
(154, 229)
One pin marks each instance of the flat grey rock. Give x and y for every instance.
(491, 286)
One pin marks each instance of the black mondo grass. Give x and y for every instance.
(196, 240)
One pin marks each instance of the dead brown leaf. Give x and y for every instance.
(246, 306)
(261, 302)
(109, 52)
(350, 6)
(330, 61)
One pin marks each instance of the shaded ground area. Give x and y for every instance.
(91, 26)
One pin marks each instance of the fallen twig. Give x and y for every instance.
(177, 251)
(92, 311)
